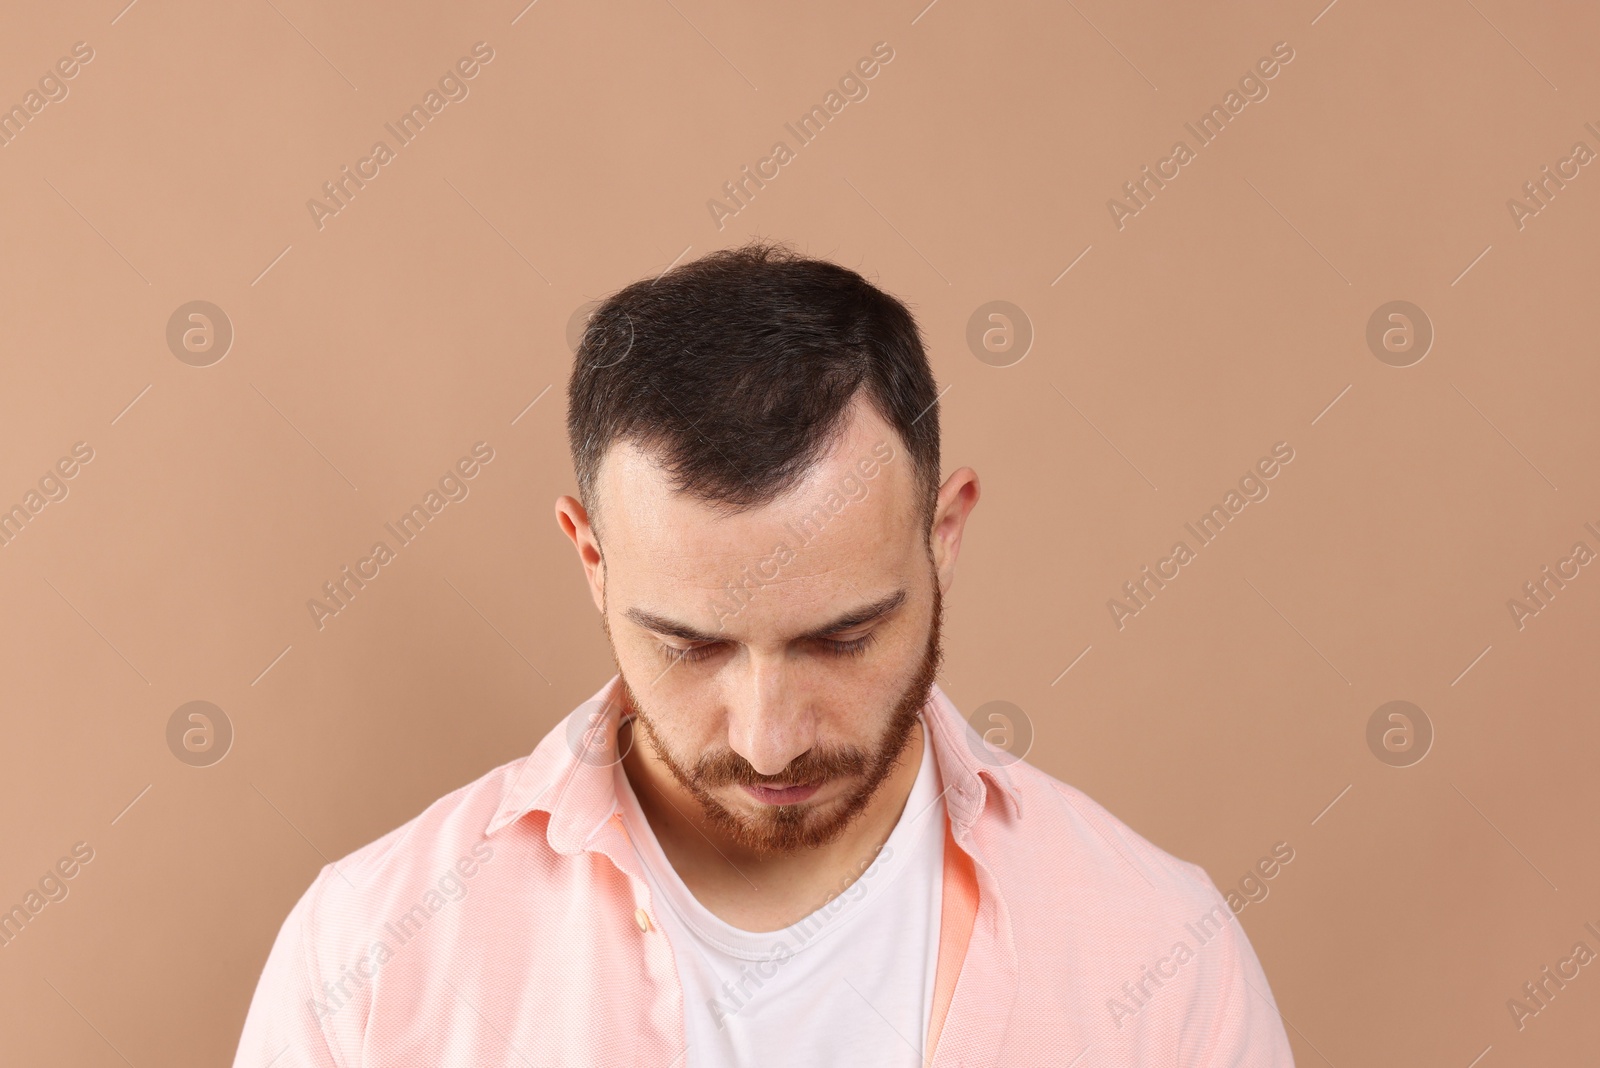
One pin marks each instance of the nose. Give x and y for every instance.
(769, 723)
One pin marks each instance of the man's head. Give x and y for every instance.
(757, 435)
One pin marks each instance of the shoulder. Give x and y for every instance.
(438, 851)
(1080, 839)
(365, 946)
(1159, 959)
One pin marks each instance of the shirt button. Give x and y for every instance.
(642, 918)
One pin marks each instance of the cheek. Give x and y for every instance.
(869, 692)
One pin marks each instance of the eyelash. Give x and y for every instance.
(853, 647)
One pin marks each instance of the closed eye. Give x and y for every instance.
(852, 647)
(689, 654)
(829, 646)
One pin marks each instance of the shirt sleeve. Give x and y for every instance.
(283, 1028)
(1249, 1031)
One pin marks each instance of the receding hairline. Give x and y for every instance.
(925, 485)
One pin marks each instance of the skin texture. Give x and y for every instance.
(770, 695)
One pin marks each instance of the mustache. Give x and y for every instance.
(727, 768)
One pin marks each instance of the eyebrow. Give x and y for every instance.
(854, 618)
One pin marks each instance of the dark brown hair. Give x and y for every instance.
(737, 369)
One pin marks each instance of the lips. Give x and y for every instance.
(788, 795)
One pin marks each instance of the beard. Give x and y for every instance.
(787, 829)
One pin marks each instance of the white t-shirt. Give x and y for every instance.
(852, 983)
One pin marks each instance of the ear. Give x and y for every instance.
(957, 497)
(574, 523)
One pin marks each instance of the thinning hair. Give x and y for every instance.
(736, 371)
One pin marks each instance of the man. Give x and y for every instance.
(770, 839)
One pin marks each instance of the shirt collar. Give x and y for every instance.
(569, 774)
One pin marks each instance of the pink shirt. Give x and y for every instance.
(510, 924)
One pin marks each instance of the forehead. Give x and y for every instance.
(847, 531)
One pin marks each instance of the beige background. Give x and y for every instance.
(1228, 315)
